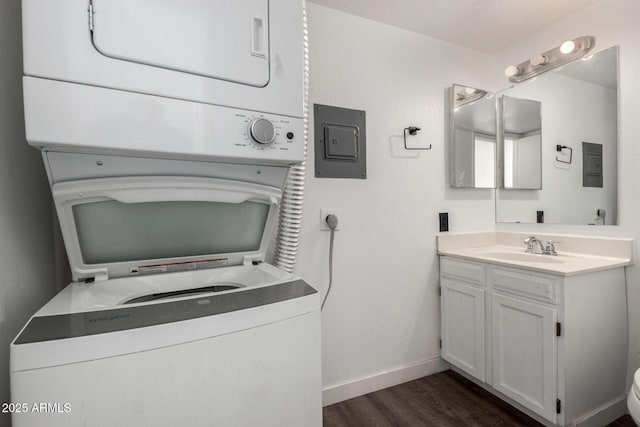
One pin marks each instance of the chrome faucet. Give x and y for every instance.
(530, 241)
(549, 249)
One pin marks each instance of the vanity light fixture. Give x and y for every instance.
(568, 51)
(464, 95)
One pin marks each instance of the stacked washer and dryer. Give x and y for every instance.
(167, 130)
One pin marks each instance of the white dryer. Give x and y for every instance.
(173, 317)
(193, 79)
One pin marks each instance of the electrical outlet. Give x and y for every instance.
(323, 218)
(443, 218)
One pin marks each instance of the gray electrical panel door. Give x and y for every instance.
(340, 142)
(591, 164)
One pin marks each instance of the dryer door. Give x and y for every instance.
(226, 40)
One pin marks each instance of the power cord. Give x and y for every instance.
(332, 222)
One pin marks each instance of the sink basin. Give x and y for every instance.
(524, 257)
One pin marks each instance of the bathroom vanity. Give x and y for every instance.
(545, 333)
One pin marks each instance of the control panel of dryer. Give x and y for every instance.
(267, 133)
(133, 124)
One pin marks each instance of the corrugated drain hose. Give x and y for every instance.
(287, 240)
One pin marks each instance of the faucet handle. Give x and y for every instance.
(550, 249)
(529, 241)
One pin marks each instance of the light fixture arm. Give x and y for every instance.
(551, 59)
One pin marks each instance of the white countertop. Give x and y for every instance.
(489, 247)
(564, 264)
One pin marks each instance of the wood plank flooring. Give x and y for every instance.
(442, 400)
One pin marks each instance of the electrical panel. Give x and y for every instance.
(340, 142)
(591, 165)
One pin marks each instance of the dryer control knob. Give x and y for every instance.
(262, 131)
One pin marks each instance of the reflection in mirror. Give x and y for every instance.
(472, 137)
(521, 143)
(578, 106)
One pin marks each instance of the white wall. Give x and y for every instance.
(572, 111)
(383, 312)
(27, 276)
(612, 22)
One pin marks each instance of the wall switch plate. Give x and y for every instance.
(323, 218)
(444, 221)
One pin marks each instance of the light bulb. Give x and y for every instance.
(538, 59)
(567, 47)
(470, 90)
(511, 71)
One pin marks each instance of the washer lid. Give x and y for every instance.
(119, 227)
(226, 40)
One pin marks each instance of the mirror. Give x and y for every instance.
(521, 139)
(472, 141)
(573, 178)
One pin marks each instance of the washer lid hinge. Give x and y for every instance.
(91, 16)
(251, 260)
(96, 276)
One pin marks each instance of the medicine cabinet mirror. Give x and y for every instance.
(472, 137)
(558, 156)
(521, 143)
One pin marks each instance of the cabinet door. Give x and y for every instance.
(463, 335)
(524, 353)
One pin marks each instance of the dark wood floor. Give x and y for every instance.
(443, 400)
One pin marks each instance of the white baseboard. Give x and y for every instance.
(605, 414)
(599, 417)
(338, 393)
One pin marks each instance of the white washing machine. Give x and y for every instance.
(167, 130)
(173, 317)
(171, 351)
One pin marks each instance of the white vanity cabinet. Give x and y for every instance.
(463, 315)
(554, 346)
(524, 355)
